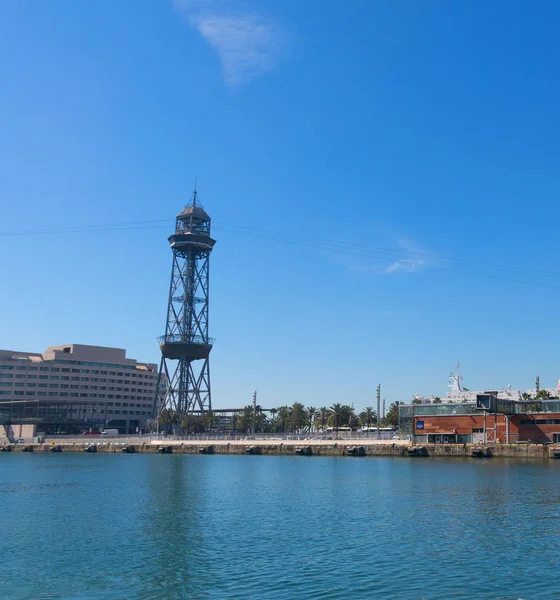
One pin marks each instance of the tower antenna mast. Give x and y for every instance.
(184, 377)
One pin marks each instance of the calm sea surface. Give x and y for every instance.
(171, 527)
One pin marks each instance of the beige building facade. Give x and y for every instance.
(78, 386)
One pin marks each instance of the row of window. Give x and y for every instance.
(540, 421)
(69, 370)
(113, 412)
(67, 378)
(75, 387)
(70, 395)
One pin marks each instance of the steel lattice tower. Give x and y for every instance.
(184, 379)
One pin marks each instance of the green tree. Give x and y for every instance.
(336, 415)
(437, 400)
(392, 417)
(322, 417)
(526, 396)
(311, 412)
(167, 418)
(284, 417)
(245, 419)
(543, 395)
(298, 417)
(208, 420)
(368, 416)
(273, 412)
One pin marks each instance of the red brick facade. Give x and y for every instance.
(519, 429)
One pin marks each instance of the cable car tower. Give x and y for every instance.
(184, 377)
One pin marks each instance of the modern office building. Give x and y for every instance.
(74, 387)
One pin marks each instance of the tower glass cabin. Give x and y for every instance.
(184, 380)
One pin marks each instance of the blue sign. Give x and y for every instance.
(419, 425)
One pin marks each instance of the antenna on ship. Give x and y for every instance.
(455, 380)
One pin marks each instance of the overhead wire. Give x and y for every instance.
(467, 266)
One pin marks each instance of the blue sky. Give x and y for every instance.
(415, 142)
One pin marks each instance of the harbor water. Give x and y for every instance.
(170, 527)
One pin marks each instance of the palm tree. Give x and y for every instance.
(526, 396)
(284, 416)
(336, 416)
(274, 411)
(168, 418)
(437, 400)
(311, 411)
(209, 419)
(392, 417)
(368, 416)
(543, 395)
(322, 416)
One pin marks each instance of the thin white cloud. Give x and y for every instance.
(410, 265)
(388, 261)
(247, 44)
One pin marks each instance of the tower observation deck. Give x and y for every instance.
(184, 380)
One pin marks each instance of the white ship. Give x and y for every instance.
(459, 393)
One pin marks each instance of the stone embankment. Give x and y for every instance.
(353, 448)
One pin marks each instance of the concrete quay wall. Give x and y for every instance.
(307, 448)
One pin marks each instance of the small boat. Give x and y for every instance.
(206, 450)
(92, 449)
(165, 450)
(5, 448)
(128, 450)
(27, 449)
(305, 451)
(55, 449)
(253, 450)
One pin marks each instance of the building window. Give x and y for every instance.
(64, 370)
(43, 368)
(54, 377)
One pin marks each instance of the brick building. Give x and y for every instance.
(468, 422)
